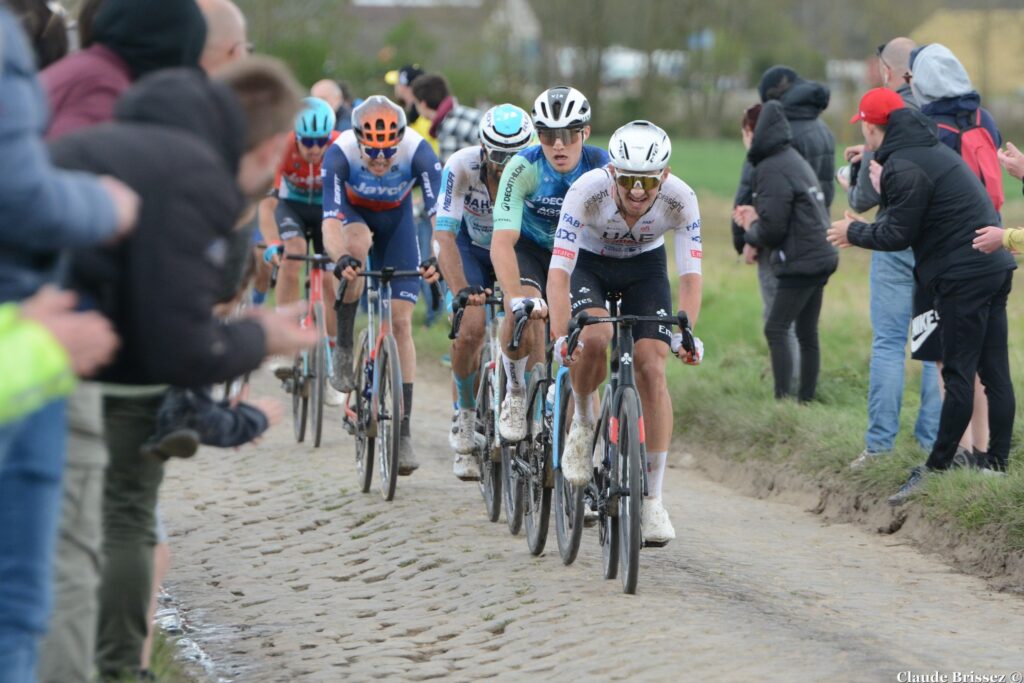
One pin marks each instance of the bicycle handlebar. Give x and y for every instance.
(459, 308)
(388, 274)
(321, 261)
(583, 319)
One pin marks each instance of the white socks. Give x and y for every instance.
(584, 407)
(655, 473)
(515, 374)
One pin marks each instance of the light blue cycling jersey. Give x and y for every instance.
(465, 203)
(531, 192)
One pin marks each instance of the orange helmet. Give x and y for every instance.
(378, 122)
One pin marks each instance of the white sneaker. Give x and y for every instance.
(465, 467)
(280, 366)
(512, 424)
(577, 459)
(654, 521)
(333, 397)
(465, 438)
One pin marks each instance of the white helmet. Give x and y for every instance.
(506, 128)
(639, 147)
(561, 107)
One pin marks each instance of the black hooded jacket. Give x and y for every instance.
(151, 34)
(803, 102)
(176, 141)
(792, 218)
(930, 201)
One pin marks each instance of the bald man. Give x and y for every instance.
(329, 91)
(226, 38)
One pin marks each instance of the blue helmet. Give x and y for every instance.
(316, 120)
(506, 128)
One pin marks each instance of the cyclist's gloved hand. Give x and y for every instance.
(474, 295)
(540, 307)
(694, 358)
(430, 270)
(562, 347)
(346, 267)
(272, 254)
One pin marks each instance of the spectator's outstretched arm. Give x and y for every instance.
(908, 193)
(43, 209)
(862, 195)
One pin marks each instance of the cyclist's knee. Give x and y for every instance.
(649, 363)
(596, 338)
(401, 326)
(471, 334)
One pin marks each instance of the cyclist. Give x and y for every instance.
(464, 224)
(529, 200)
(369, 174)
(611, 239)
(291, 215)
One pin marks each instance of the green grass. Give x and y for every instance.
(726, 405)
(163, 663)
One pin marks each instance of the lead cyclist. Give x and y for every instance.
(610, 238)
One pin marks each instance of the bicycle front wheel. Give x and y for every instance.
(389, 414)
(358, 416)
(490, 469)
(538, 456)
(568, 498)
(630, 487)
(318, 360)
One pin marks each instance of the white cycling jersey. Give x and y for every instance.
(591, 221)
(465, 199)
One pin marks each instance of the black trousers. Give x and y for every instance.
(974, 341)
(801, 305)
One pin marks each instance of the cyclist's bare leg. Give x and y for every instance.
(587, 373)
(401, 328)
(591, 367)
(355, 240)
(649, 364)
(290, 271)
(532, 342)
(466, 348)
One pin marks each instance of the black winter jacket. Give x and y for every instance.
(177, 142)
(803, 104)
(930, 201)
(792, 218)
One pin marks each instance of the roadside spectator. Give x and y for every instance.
(41, 211)
(803, 102)
(219, 144)
(991, 238)
(892, 297)
(934, 203)
(788, 221)
(344, 112)
(943, 90)
(130, 38)
(330, 91)
(402, 80)
(226, 37)
(454, 125)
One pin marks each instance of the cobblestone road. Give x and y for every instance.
(290, 574)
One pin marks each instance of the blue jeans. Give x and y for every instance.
(892, 297)
(30, 500)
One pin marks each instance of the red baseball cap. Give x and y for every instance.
(876, 105)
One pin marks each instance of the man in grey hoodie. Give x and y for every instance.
(892, 295)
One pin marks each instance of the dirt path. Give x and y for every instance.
(292, 575)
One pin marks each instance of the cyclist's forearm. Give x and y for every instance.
(334, 241)
(559, 306)
(691, 287)
(451, 262)
(506, 267)
(268, 224)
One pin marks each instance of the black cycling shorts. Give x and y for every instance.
(534, 261)
(298, 219)
(642, 281)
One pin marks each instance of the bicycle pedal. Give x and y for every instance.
(655, 544)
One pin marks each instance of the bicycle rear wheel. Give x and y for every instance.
(389, 414)
(631, 488)
(300, 398)
(358, 414)
(568, 498)
(490, 469)
(538, 456)
(319, 358)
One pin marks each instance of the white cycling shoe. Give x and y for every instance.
(512, 423)
(654, 523)
(577, 458)
(333, 397)
(281, 366)
(466, 440)
(465, 468)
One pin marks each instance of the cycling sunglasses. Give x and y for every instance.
(568, 136)
(644, 182)
(498, 158)
(310, 143)
(375, 153)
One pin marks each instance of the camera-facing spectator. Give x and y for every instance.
(454, 125)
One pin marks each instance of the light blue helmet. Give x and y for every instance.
(316, 120)
(506, 128)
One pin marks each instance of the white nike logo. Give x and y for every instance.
(921, 328)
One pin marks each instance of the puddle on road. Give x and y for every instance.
(174, 622)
